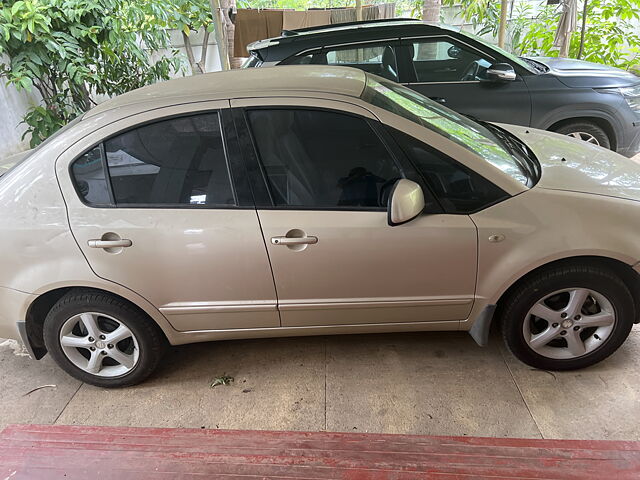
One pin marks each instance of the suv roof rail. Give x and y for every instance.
(291, 33)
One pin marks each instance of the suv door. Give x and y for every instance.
(321, 176)
(452, 72)
(153, 208)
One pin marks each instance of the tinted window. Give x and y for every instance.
(440, 60)
(374, 58)
(321, 159)
(458, 189)
(89, 178)
(180, 161)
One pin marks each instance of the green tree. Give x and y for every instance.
(611, 37)
(71, 49)
(189, 17)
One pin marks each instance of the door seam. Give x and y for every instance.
(273, 278)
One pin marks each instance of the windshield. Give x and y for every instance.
(507, 155)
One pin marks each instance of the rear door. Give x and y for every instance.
(451, 72)
(156, 203)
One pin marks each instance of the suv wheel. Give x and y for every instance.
(567, 318)
(587, 131)
(102, 340)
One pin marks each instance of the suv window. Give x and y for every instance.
(459, 189)
(373, 58)
(444, 60)
(322, 159)
(179, 161)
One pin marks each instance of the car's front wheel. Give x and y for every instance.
(586, 131)
(568, 317)
(102, 340)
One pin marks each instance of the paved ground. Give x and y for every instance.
(424, 383)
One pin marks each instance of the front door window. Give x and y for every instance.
(445, 60)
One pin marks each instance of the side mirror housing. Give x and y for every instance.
(500, 72)
(406, 202)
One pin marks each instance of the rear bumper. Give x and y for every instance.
(13, 309)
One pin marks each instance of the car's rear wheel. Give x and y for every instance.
(567, 317)
(102, 340)
(586, 131)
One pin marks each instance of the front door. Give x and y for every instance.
(153, 208)
(335, 260)
(450, 72)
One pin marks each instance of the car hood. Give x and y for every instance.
(578, 73)
(573, 165)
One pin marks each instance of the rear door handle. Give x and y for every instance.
(123, 243)
(310, 240)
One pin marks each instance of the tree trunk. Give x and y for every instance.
(230, 30)
(220, 34)
(359, 10)
(431, 11)
(584, 27)
(502, 28)
(202, 64)
(195, 68)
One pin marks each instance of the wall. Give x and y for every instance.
(13, 105)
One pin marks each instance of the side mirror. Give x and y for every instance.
(500, 72)
(406, 202)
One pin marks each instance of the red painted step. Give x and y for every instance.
(71, 452)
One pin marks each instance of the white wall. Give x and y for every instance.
(13, 105)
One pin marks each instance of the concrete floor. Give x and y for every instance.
(422, 383)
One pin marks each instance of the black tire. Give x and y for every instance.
(516, 306)
(589, 128)
(151, 341)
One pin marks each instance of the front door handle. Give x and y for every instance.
(439, 99)
(122, 243)
(310, 240)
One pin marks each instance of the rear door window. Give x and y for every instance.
(378, 58)
(174, 162)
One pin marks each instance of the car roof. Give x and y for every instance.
(296, 40)
(243, 83)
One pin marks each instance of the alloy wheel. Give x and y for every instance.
(585, 137)
(99, 344)
(569, 323)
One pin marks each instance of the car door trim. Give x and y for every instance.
(348, 303)
(183, 308)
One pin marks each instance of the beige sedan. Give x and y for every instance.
(311, 201)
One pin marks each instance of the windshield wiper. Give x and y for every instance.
(517, 148)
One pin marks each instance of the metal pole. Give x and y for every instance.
(219, 34)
